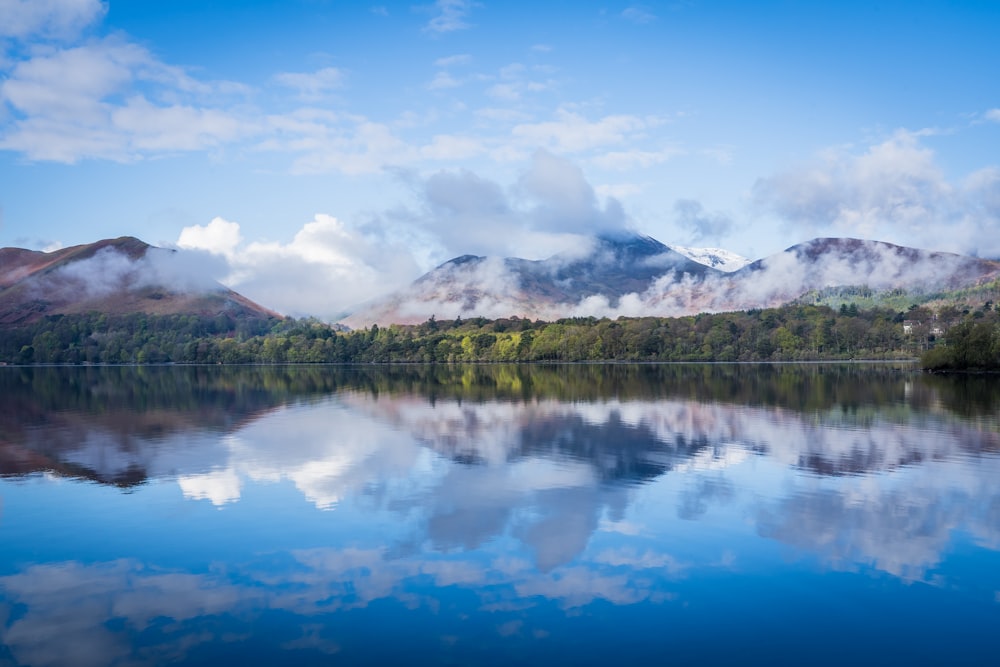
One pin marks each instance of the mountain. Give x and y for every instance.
(633, 275)
(612, 267)
(839, 262)
(113, 276)
(717, 258)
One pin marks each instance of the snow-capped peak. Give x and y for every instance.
(717, 258)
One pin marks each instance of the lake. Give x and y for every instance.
(790, 514)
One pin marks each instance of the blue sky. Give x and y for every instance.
(318, 153)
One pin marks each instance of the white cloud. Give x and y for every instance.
(514, 83)
(110, 270)
(894, 191)
(450, 15)
(24, 19)
(219, 237)
(150, 128)
(452, 61)
(312, 85)
(895, 182)
(463, 212)
(619, 190)
(508, 92)
(563, 199)
(450, 148)
(701, 224)
(634, 158)
(993, 115)
(325, 268)
(326, 141)
(513, 91)
(547, 210)
(720, 154)
(85, 102)
(442, 81)
(500, 115)
(572, 133)
(638, 14)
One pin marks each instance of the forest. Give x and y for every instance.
(788, 333)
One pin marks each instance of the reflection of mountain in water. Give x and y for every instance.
(543, 456)
(122, 425)
(617, 450)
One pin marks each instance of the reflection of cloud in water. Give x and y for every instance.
(903, 527)
(325, 451)
(705, 491)
(68, 611)
(673, 434)
(539, 471)
(549, 473)
(219, 487)
(121, 612)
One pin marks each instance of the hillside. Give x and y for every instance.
(114, 277)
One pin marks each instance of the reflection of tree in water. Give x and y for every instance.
(46, 414)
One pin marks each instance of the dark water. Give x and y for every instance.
(779, 515)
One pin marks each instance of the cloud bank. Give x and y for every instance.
(894, 191)
(326, 267)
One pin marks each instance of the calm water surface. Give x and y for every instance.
(681, 514)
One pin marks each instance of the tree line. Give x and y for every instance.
(789, 333)
(973, 344)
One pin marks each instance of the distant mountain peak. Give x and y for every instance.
(716, 258)
(462, 259)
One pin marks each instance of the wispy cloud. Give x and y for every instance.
(111, 99)
(701, 224)
(58, 19)
(893, 191)
(453, 61)
(312, 85)
(634, 158)
(450, 15)
(549, 206)
(570, 132)
(326, 267)
(443, 81)
(639, 14)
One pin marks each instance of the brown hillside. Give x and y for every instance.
(113, 276)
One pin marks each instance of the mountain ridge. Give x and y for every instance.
(635, 275)
(617, 275)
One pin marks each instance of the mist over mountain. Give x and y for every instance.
(615, 274)
(613, 266)
(633, 275)
(113, 276)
